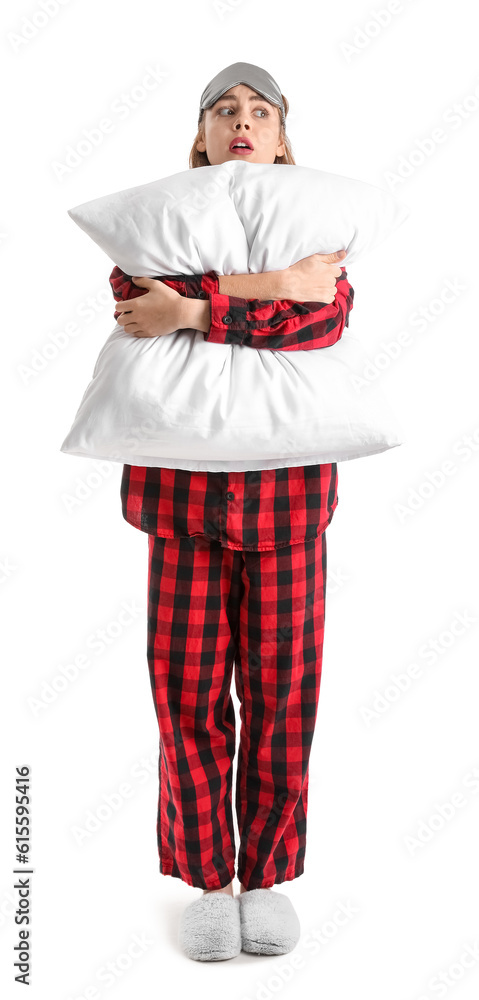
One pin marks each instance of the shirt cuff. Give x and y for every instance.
(222, 325)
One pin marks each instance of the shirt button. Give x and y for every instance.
(227, 318)
(202, 294)
(230, 496)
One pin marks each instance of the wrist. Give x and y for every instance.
(282, 284)
(194, 314)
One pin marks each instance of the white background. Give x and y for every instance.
(365, 97)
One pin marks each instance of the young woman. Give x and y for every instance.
(236, 574)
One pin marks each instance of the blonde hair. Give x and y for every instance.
(197, 159)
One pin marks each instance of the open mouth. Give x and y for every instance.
(240, 147)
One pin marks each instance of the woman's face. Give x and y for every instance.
(241, 113)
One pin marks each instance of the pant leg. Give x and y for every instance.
(193, 599)
(277, 675)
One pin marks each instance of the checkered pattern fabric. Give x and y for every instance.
(210, 608)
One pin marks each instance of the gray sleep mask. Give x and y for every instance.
(241, 72)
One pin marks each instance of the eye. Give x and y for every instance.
(263, 110)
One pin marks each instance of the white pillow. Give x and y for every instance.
(182, 402)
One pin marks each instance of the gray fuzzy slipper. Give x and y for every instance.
(269, 922)
(210, 928)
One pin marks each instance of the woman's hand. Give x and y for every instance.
(312, 279)
(153, 315)
(163, 310)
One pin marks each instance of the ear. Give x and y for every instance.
(201, 144)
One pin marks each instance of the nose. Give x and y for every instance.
(238, 124)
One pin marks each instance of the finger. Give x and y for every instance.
(331, 258)
(144, 282)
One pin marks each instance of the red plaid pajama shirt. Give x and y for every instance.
(253, 510)
(227, 585)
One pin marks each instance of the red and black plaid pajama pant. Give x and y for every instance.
(210, 607)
